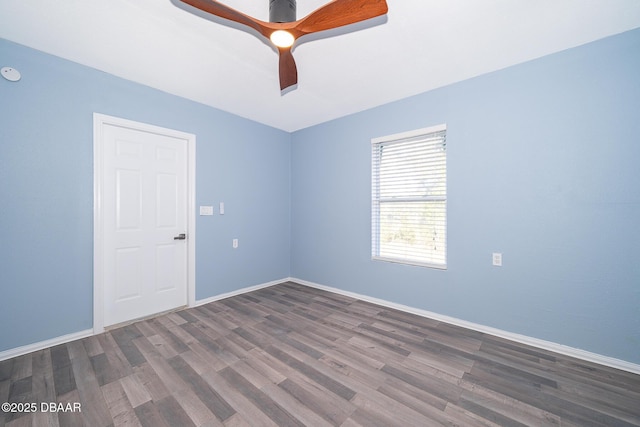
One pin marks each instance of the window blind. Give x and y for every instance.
(409, 197)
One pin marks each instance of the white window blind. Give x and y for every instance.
(409, 197)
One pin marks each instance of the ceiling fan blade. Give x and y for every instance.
(288, 68)
(341, 12)
(218, 9)
(334, 14)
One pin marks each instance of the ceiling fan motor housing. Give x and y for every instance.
(283, 28)
(282, 10)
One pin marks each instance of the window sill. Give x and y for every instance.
(410, 262)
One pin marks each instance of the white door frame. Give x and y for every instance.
(99, 120)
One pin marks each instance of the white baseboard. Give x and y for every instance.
(239, 292)
(523, 339)
(19, 351)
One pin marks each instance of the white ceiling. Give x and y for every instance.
(422, 45)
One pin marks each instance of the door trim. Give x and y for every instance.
(99, 120)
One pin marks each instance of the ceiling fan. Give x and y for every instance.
(283, 29)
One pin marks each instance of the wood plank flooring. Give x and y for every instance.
(290, 355)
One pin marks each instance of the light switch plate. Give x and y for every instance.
(206, 210)
(497, 259)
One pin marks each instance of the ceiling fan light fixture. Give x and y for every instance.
(282, 38)
(283, 29)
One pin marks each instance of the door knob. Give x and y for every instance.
(181, 236)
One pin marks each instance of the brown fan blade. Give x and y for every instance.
(339, 13)
(288, 68)
(222, 11)
(334, 14)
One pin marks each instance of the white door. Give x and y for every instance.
(144, 201)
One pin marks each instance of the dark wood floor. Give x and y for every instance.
(289, 355)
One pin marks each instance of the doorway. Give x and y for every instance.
(144, 220)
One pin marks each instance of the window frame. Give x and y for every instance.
(376, 199)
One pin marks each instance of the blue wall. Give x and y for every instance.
(46, 192)
(543, 166)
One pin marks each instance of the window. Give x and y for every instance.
(409, 198)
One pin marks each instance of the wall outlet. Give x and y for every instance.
(497, 259)
(235, 243)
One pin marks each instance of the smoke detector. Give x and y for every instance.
(10, 74)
